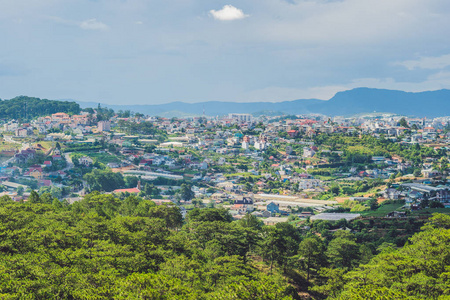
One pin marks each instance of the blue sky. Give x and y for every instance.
(155, 51)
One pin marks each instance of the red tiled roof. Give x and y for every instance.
(131, 191)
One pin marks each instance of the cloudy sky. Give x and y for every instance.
(157, 51)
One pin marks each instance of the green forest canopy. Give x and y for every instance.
(103, 247)
(24, 107)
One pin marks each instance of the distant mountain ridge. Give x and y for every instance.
(346, 103)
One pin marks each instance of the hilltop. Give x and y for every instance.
(24, 107)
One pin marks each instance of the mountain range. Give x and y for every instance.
(346, 103)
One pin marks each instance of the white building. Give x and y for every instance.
(104, 126)
(308, 152)
(241, 118)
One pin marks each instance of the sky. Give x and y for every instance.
(159, 51)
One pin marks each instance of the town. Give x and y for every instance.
(276, 168)
(299, 202)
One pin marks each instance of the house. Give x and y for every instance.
(228, 186)
(113, 165)
(60, 117)
(305, 214)
(44, 182)
(308, 152)
(85, 161)
(24, 155)
(131, 191)
(391, 194)
(430, 173)
(21, 132)
(145, 162)
(56, 157)
(244, 201)
(35, 172)
(273, 208)
(419, 192)
(292, 133)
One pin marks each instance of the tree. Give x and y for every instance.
(403, 123)
(343, 251)
(417, 173)
(129, 205)
(47, 198)
(186, 192)
(5, 199)
(106, 180)
(20, 190)
(311, 254)
(251, 221)
(34, 197)
(419, 270)
(169, 213)
(210, 215)
(280, 243)
(335, 189)
(57, 204)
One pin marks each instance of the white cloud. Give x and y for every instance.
(431, 63)
(228, 13)
(93, 24)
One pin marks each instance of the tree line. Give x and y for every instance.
(105, 247)
(27, 108)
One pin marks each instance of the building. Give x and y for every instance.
(273, 208)
(241, 118)
(418, 192)
(60, 117)
(131, 191)
(21, 132)
(104, 126)
(35, 172)
(85, 161)
(332, 217)
(308, 152)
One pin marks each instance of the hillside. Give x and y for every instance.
(24, 107)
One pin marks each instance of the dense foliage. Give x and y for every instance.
(24, 107)
(104, 247)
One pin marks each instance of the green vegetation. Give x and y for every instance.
(9, 146)
(360, 150)
(97, 157)
(384, 209)
(104, 247)
(27, 108)
(143, 128)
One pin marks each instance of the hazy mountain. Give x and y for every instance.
(356, 101)
(363, 100)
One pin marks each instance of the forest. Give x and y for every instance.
(27, 108)
(103, 247)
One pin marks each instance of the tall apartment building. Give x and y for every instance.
(241, 118)
(104, 126)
